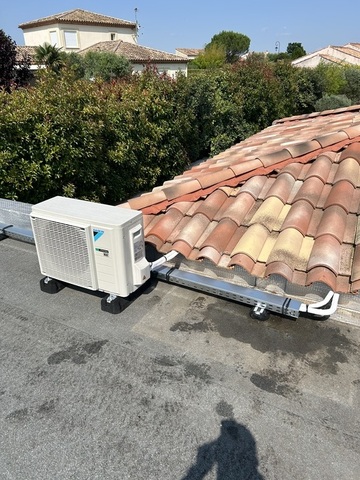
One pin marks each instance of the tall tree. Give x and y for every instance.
(7, 60)
(295, 50)
(212, 57)
(234, 44)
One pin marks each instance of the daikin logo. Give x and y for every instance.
(97, 234)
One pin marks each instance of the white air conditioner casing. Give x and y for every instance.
(91, 245)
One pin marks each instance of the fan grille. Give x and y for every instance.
(63, 251)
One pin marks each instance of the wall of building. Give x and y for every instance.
(171, 69)
(85, 35)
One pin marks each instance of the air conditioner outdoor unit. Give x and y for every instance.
(91, 245)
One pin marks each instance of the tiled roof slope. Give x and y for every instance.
(285, 201)
(190, 51)
(134, 52)
(78, 16)
(332, 59)
(22, 51)
(354, 52)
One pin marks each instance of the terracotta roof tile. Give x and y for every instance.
(233, 241)
(181, 188)
(268, 213)
(302, 148)
(333, 222)
(78, 16)
(279, 268)
(256, 208)
(323, 275)
(194, 229)
(166, 224)
(275, 157)
(353, 151)
(325, 253)
(353, 131)
(320, 168)
(299, 216)
(331, 138)
(238, 207)
(211, 205)
(310, 191)
(134, 52)
(287, 248)
(219, 237)
(349, 170)
(248, 246)
(214, 177)
(138, 203)
(209, 253)
(282, 187)
(341, 194)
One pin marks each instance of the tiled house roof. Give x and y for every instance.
(134, 52)
(353, 52)
(346, 54)
(22, 51)
(285, 201)
(331, 59)
(78, 16)
(190, 52)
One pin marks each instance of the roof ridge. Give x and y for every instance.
(336, 111)
(190, 189)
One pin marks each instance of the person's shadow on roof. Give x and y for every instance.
(233, 453)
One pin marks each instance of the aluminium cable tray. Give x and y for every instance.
(237, 293)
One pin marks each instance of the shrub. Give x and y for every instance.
(53, 141)
(329, 102)
(352, 87)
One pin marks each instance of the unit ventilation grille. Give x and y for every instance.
(63, 251)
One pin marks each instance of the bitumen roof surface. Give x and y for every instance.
(285, 201)
(180, 385)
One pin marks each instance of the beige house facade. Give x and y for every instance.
(77, 29)
(81, 31)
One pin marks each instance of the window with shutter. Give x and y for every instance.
(53, 38)
(71, 40)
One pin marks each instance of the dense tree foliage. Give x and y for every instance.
(108, 141)
(213, 57)
(295, 50)
(14, 68)
(105, 66)
(7, 60)
(233, 44)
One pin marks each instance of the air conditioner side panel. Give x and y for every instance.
(110, 263)
(114, 259)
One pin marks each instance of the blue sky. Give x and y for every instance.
(170, 24)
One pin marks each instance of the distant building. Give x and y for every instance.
(80, 31)
(348, 54)
(77, 29)
(189, 53)
(140, 56)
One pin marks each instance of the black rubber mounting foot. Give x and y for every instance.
(114, 307)
(262, 316)
(49, 285)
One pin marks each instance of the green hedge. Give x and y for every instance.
(109, 141)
